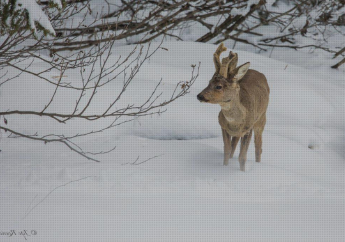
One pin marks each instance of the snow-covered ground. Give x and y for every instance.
(181, 191)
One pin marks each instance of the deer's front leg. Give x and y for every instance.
(245, 140)
(234, 142)
(227, 146)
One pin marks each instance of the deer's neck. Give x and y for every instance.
(234, 111)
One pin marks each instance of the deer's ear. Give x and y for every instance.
(240, 71)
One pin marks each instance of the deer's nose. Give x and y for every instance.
(200, 97)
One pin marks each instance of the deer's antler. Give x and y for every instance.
(216, 56)
(224, 68)
(233, 61)
(228, 63)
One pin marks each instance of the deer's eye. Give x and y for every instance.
(218, 87)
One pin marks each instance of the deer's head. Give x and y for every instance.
(224, 85)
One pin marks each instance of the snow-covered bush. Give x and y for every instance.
(27, 14)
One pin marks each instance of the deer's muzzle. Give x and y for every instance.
(201, 98)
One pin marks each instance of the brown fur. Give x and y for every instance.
(243, 97)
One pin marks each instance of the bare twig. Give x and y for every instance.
(141, 162)
(48, 194)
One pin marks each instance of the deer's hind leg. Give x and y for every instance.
(227, 146)
(258, 129)
(245, 140)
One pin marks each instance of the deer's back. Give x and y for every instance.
(254, 94)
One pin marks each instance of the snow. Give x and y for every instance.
(184, 192)
(298, 23)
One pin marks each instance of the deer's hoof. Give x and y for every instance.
(242, 167)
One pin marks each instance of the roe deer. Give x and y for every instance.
(243, 95)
